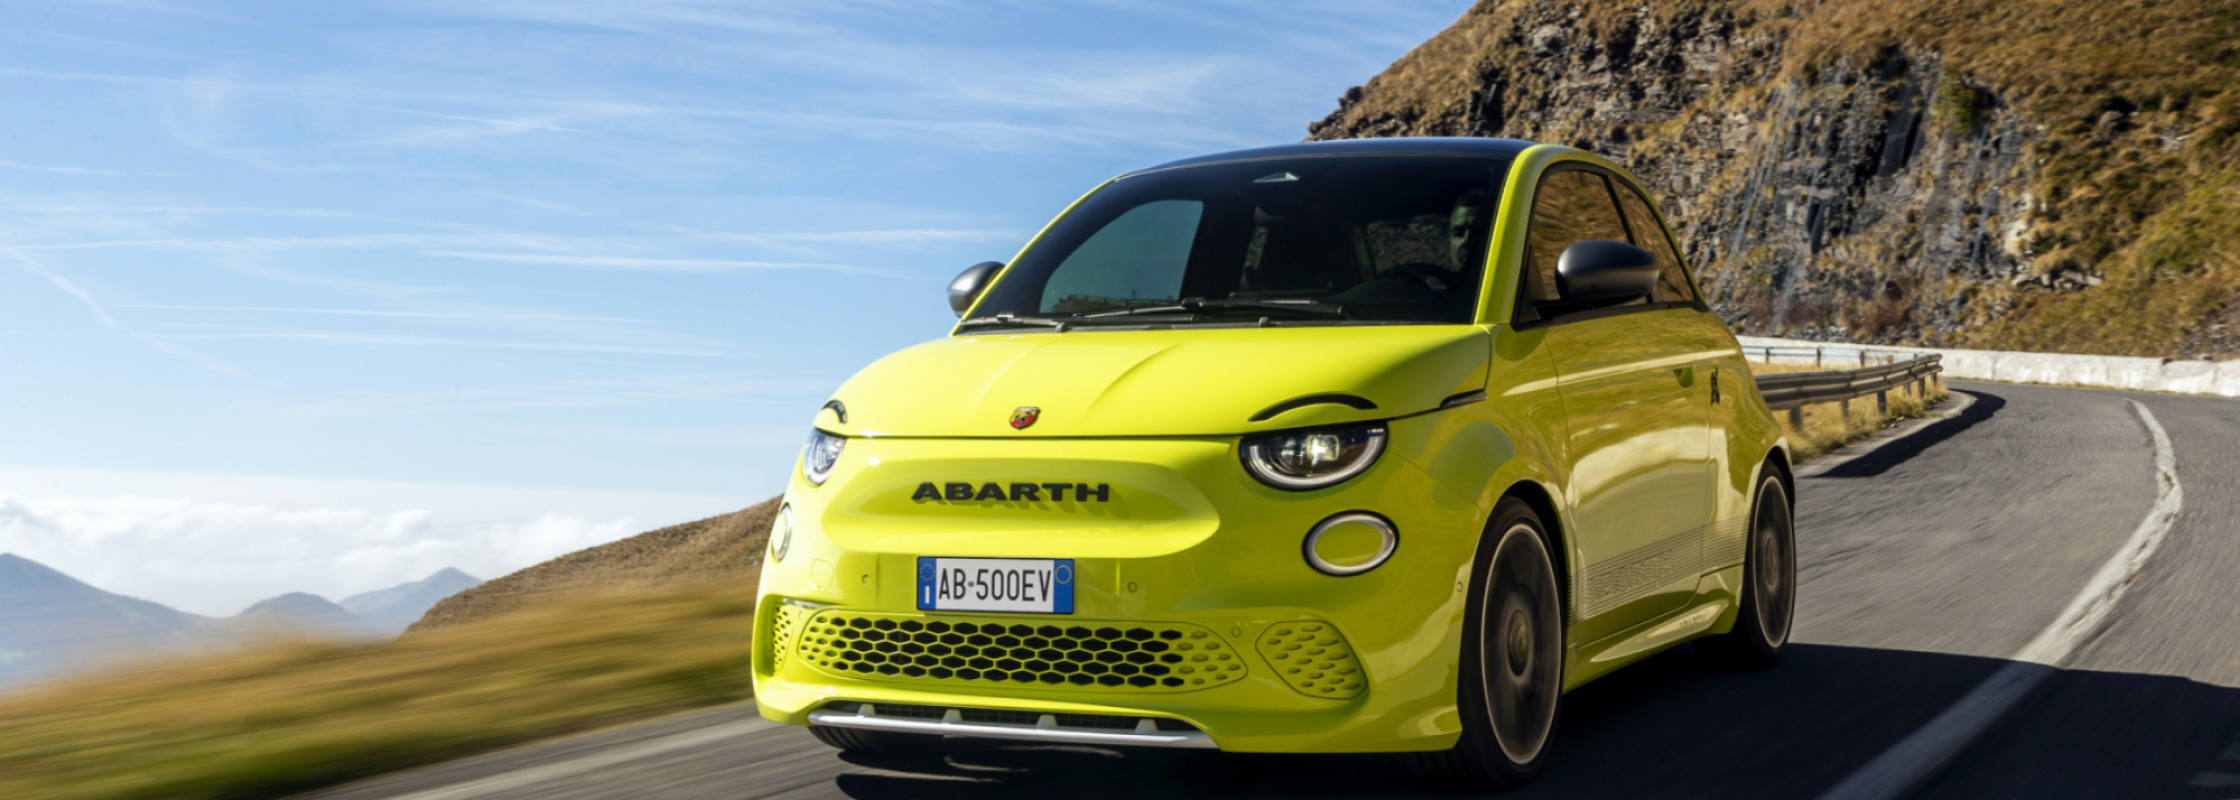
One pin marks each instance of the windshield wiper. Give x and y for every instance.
(1195, 304)
(1009, 319)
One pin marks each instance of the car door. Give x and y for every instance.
(1721, 368)
(1640, 474)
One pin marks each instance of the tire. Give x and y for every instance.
(1512, 660)
(1769, 584)
(885, 743)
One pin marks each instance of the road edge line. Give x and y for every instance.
(1908, 765)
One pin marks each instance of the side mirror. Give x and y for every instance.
(969, 283)
(1600, 272)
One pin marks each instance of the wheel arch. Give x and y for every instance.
(1543, 504)
(1777, 459)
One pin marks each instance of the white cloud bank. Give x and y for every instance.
(215, 558)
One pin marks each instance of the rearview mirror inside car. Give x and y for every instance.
(969, 283)
(1600, 272)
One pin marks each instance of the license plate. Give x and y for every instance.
(1016, 585)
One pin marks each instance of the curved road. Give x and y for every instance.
(1926, 566)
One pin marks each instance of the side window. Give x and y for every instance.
(1672, 279)
(1571, 206)
(1136, 259)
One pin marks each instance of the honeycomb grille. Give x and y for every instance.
(781, 632)
(989, 650)
(1313, 658)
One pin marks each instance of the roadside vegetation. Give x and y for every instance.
(286, 717)
(726, 548)
(1828, 426)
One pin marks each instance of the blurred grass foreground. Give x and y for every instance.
(285, 717)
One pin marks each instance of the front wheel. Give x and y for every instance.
(1769, 584)
(1512, 660)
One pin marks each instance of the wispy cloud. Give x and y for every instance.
(903, 236)
(30, 265)
(500, 122)
(404, 314)
(423, 341)
(657, 264)
(33, 266)
(17, 165)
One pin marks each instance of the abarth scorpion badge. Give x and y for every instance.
(1025, 417)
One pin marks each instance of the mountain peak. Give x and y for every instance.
(18, 573)
(393, 609)
(55, 622)
(303, 612)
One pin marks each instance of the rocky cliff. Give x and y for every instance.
(2023, 174)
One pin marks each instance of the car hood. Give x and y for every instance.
(1176, 382)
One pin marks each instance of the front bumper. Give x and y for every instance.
(1193, 604)
(1023, 726)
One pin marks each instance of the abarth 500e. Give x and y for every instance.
(1363, 446)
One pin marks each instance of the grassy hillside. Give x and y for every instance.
(725, 549)
(276, 719)
(2011, 174)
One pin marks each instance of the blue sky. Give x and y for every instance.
(579, 252)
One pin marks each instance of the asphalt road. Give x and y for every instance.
(1926, 565)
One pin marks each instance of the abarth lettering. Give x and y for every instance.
(959, 491)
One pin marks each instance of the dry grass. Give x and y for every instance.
(722, 548)
(283, 718)
(1827, 426)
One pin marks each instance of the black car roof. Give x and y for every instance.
(1443, 146)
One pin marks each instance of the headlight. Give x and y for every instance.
(781, 533)
(1313, 458)
(823, 452)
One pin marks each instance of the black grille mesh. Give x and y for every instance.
(1160, 656)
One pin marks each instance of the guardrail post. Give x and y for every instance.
(1882, 403)
(1796, 418)
(1846, 403)
(1818, 354)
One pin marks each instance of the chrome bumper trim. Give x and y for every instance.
(1146, 733)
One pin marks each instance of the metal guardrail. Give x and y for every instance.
(1795, 390)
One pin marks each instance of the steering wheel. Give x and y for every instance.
(1433, 276)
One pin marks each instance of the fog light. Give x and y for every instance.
(781, 533)
(1351, 543)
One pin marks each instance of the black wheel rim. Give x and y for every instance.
(1773, 564)
(1522, 632)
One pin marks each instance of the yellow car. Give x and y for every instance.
(1363, 446)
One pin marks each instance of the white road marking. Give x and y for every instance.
(1909, 763)
(590, 763)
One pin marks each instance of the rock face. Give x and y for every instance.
(1897, 172)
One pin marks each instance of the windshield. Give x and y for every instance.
(1319, 240)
